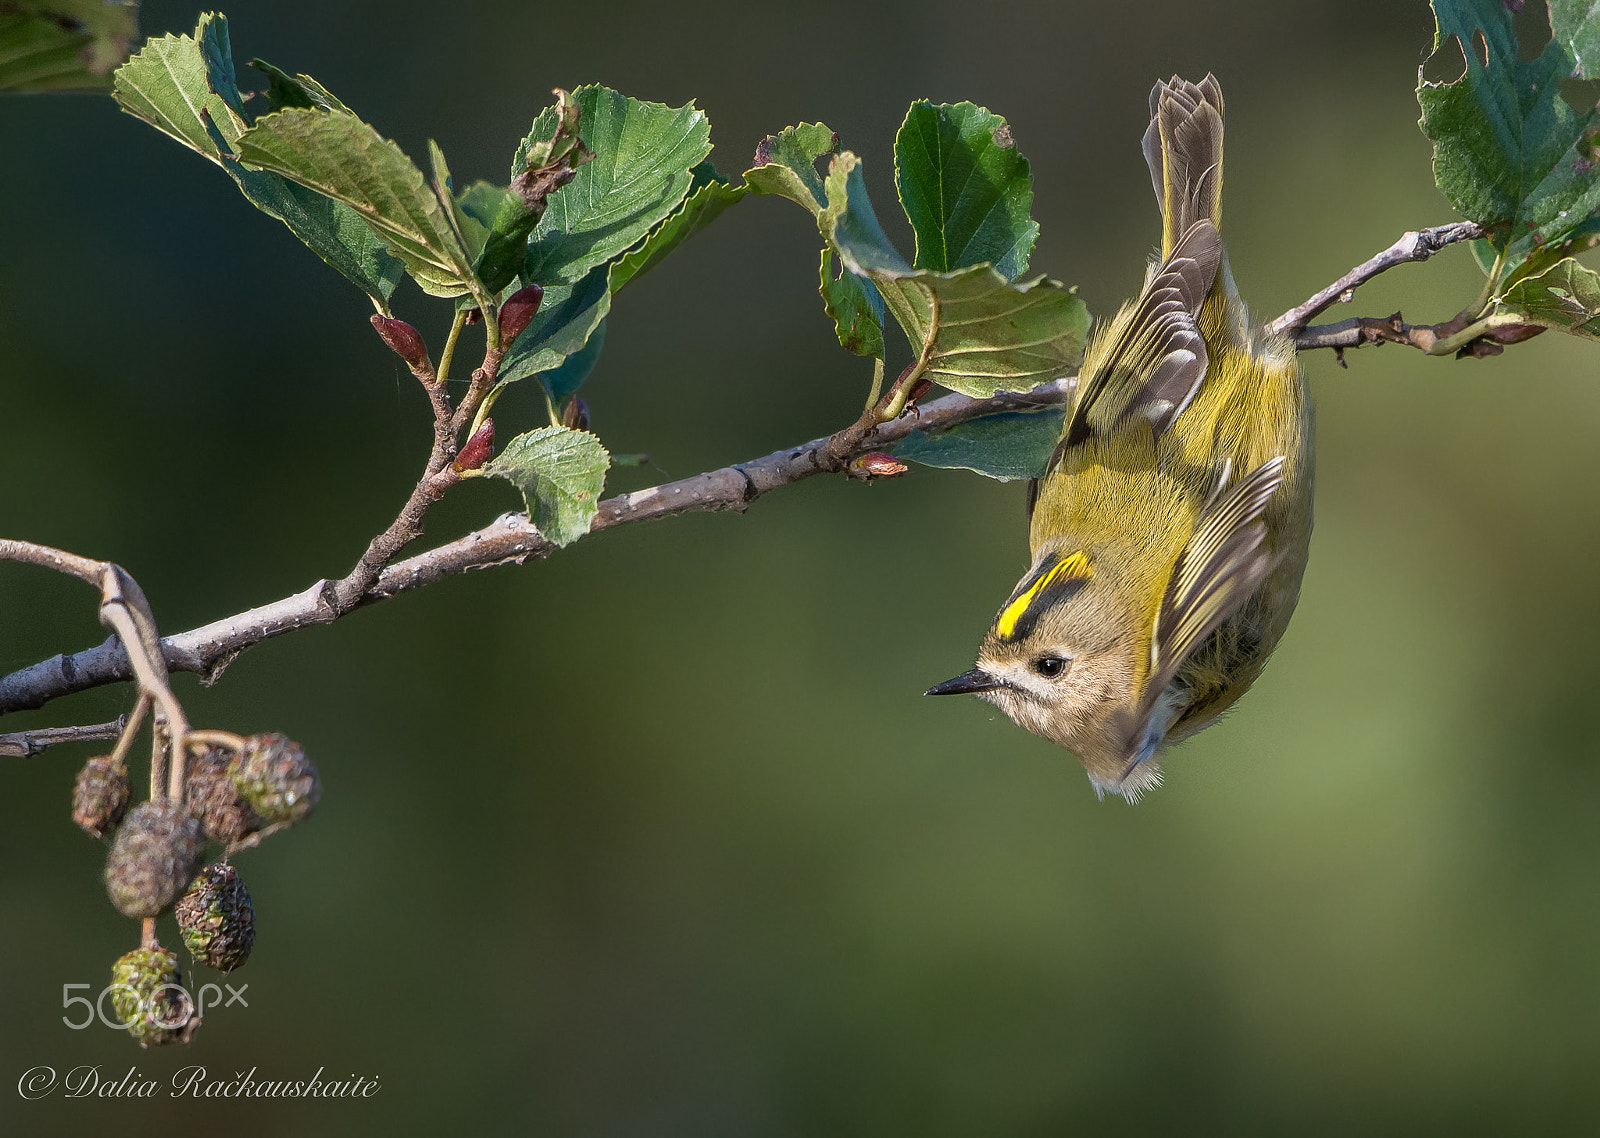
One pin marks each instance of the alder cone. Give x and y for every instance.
(274, 776)
(100, 796)
(153, 858)
(147, 993)
(211, 793)
(216, 918)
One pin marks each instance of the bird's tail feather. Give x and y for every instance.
(1183, 147)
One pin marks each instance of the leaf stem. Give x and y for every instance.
(450, 346)
(894, 404)
(1490, 285)
(119, 755)
(211, 738)
(877, 381)
(1449, 344)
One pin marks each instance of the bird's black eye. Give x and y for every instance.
(1050, 666)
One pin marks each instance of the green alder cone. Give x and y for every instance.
(276, 779)
(147, 994)
(217, 919)
(153, 858)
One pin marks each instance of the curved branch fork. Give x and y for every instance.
(508, 539)
(1417, 245)
(124, 609)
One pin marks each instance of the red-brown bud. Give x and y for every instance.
(576, 415)
(478, 448)
(875, 464)
(518, 310)
(405, 341)
(1515, 333)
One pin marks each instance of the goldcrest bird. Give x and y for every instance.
(1170, 530)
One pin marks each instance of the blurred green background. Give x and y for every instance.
(659, 837)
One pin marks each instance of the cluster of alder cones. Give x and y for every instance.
(233, 797)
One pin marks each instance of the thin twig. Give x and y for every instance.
(1418, 245)
(130, 730)
(212, 738)
(159, 737)
(26, 744)
(510, 538)
(86, 569)
(347, 592)
(438, 475)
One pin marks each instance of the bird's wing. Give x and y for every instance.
(1223, 564)
(1151, 358)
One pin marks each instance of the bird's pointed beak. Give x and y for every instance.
(967, 683)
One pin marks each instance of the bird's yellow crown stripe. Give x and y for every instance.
(1073, 567)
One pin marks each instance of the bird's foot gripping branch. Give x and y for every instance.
(524, 273)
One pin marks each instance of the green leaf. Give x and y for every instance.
(175, 78)
(567, 317)
(1483, 253)
(64, 45)
(709, 196)
(541, 167)
(576, 368)
(1583, 237)
(965, 188)
(468, 230)
(975, 332)
(343, 158)
(856, 307)
(285, 90)
(1010, 445)
(481, 201)
(643, 157)
(1574, 25)
(1565, 296)
(561, 473)
(506, 243)
(553, 144)
(972, 329)
(1508, 151)
(168, 85)
(332, 230)
(785, 164)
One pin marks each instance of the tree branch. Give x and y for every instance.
(510, 538)
(26, 744)
(1418, 245)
